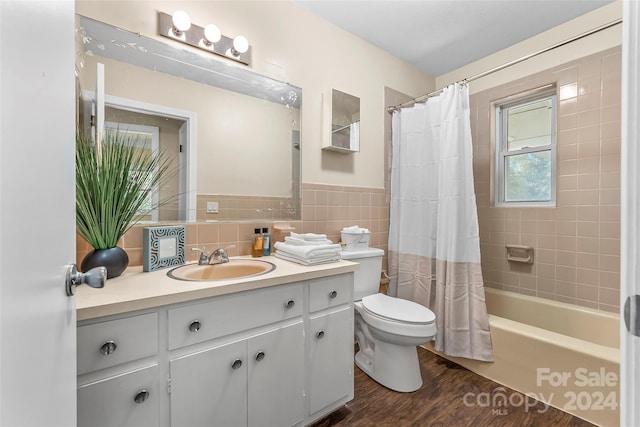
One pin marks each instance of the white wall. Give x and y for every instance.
(592, 44)
(290, 44)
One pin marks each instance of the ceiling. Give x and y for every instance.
(438, 36)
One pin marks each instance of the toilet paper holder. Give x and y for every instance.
(520, 253)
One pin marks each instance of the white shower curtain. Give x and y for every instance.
(434, 247)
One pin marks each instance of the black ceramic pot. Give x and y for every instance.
(115, 260)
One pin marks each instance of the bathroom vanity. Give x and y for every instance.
(269, 350)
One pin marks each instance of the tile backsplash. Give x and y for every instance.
(325, 209)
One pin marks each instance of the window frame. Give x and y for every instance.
(499, 134)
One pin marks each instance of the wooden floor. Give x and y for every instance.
(439, 402)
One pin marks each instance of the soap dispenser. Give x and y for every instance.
(266, 242)
(256, 243)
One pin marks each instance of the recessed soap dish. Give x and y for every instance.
(520, 253)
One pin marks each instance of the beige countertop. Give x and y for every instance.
(136, 290)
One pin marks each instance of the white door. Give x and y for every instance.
(37, 213)
(630, 211)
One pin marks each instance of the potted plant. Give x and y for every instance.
(115, 179)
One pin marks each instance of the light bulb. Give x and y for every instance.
(212, 34)
(240, 45)
(181, 22)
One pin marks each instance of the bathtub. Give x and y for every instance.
(563, 355)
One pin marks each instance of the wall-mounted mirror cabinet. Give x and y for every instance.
(341, 122)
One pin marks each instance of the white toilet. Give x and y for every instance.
(387, 329)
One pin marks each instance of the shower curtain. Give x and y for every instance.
(434, 246)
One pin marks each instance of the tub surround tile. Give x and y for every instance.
(577, 244)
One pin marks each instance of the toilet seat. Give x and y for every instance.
(398, 310)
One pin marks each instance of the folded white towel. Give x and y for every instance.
(304, 261)
(309, 236)
(299, 242)
(308, 252)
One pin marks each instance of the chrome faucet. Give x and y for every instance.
(219, 256)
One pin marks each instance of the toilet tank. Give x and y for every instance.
(367, 278)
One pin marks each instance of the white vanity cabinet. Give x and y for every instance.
(254, 380)
(128, 393)
(279, 355)
(330, 343)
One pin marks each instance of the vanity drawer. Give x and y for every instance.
(130, 399)
(105, 344)
(226, 315)
(330, 291)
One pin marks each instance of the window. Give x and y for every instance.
(525, 145)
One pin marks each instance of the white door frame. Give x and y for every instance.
(189, 147)
(154, 131)
(630, 213)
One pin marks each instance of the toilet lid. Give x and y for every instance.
(398, 309)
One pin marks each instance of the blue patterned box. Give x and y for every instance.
(163, 247)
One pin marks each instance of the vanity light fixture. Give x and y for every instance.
(212, 35)
(181, 23)
(209, 38)
(240, 46)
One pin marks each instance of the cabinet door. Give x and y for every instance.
(130, 399)
(209, 388)
(331, 352)
(276, 377)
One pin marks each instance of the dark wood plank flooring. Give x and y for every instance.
(439, 402)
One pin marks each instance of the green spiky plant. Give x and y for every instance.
(112, 185)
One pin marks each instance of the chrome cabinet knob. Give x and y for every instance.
(320, 334)
(108, 348)
(289, 304)
(260, 355)
(333, 294)
(95, 278)
(141, 396)
(236, 364)
(195, 326)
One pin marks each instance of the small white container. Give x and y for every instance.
(354, 241)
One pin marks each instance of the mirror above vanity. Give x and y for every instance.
(234, 134)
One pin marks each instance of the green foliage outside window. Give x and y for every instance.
(528, 177)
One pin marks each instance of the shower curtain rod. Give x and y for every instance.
(391, 109)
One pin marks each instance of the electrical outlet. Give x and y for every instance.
(212, 207)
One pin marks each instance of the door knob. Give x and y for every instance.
(95, 278)
(631, 315)
(141, 396)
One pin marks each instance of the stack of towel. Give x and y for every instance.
(308, 249)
